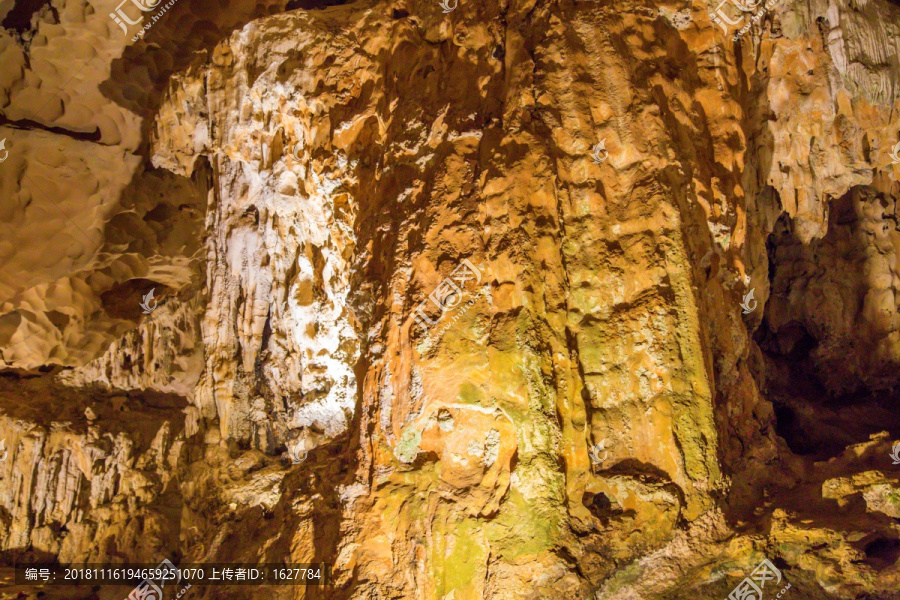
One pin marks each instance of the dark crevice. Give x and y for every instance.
(314, 4)
(827, 375)
(603, 508)
(882, 553)
(123, 300)
(19, 18)
(29, 125)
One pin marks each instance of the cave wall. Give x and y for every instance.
(295, 182)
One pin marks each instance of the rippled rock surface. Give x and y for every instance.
(512, 300)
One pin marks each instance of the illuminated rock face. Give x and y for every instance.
(453, 301)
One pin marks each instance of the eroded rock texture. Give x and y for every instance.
(592, 416)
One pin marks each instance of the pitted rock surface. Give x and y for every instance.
(398, 303)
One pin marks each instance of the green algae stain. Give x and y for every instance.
(626, 576)
(465, 559)
(471, 394)
(408, 445)
(523, 527)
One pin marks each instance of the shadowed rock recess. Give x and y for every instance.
(488, 270)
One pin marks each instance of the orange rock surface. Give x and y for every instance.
(506, 300)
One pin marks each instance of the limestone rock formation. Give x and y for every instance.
(503, 300)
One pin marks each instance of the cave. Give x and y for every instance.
(449, 300)
(830, 374)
